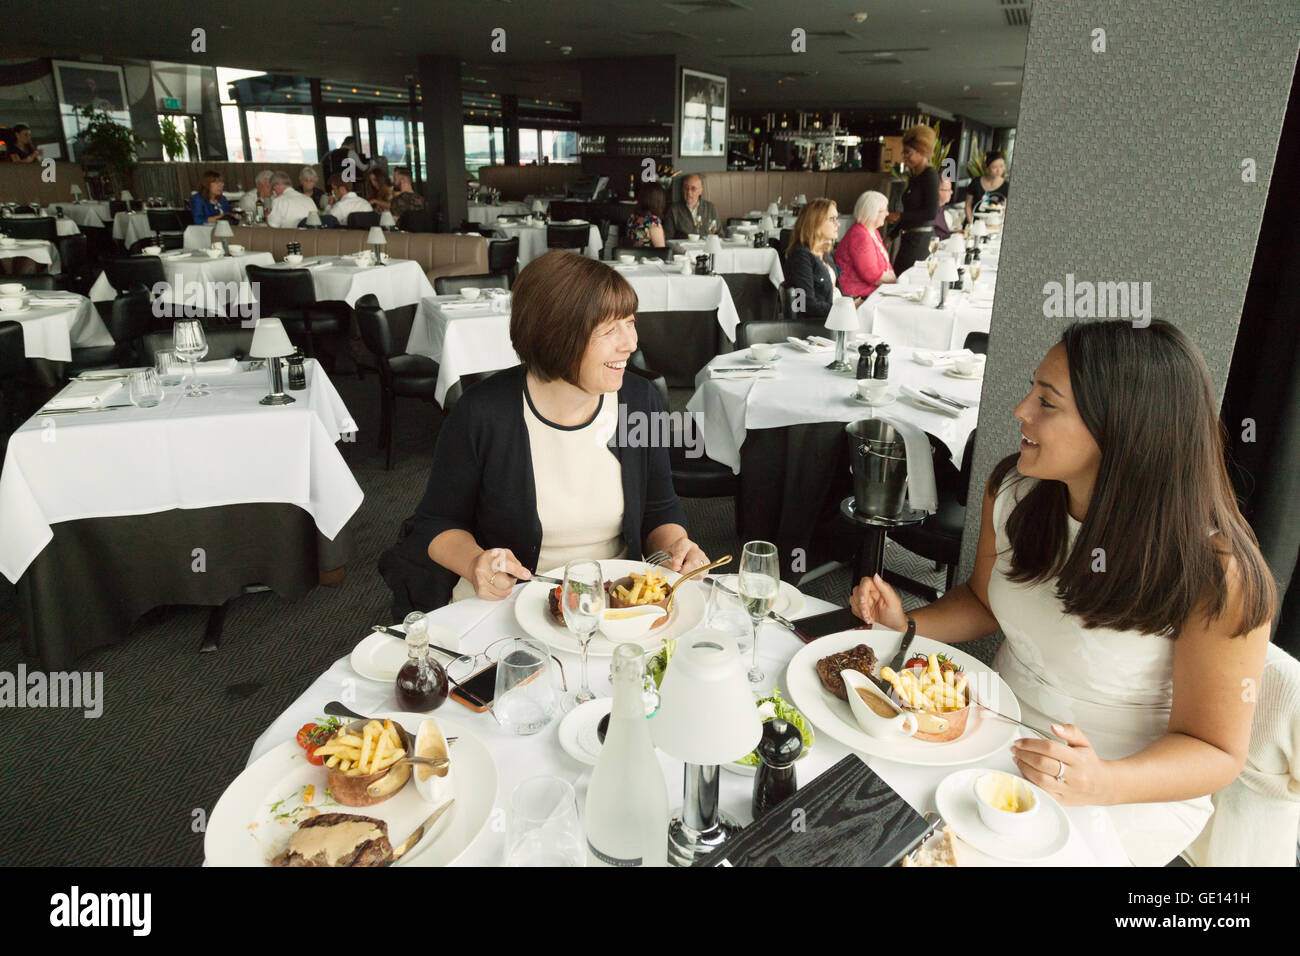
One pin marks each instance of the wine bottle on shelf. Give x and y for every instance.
(627, 799)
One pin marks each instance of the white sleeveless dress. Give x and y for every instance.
(1116, 686)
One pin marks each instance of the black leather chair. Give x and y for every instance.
(503, 258)
(128, 322)
(42, 227)
(417, 220)
(447, 285)
(458, 388)
(567, 236)
(290, 295)
(788, 313)
(75, 257)
(115, 206)
(13, 366)
(400, 375)
(977, 342)
(44, 281)
(329, 222)
(363, 220)
(24, 210)
(752, 333)
(700, 477)
(126, 274)
(223, 343)
(166, 220)
(938, 537)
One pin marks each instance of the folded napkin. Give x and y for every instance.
(85, 394)
(729, 373)
(901, 291)
(217, 367)
(52, 299)
(931, 404)
(936, 358)
(814, 343)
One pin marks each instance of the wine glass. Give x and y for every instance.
(760, 581)
(934, 245)
(191, 344)
(974, 268)
(582, 599)
(931, 263)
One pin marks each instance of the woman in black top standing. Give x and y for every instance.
(920, 199)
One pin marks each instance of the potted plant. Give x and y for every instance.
(108, 145)
(172, 140)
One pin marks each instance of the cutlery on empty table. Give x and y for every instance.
(75, 411)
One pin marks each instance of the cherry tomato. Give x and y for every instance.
(304, 734)
(312, 758)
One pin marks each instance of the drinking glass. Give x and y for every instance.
(726, 612)
(974, 269)
(931, 263)
(524, 701)
(583, 601)
(167, 364)
(144, 388)
(191, 344)
(760, 581)
(543, 827)
(934, 244)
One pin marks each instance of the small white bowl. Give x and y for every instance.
(1006, 821)
(151, 250)
(470, 292)
(872, 389)
(235, 250)
(692, 237)
(8, 241)
(502, 221)
(626, 258)
(293, 258)
(215, 253)
(762, 351)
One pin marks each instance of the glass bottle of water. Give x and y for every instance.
(627, 800)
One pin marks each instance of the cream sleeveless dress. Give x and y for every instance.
(1115, 686)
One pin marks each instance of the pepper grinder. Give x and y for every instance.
(864, 362)
(881, 368)
(779, 748)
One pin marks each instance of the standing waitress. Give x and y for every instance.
(920, 199)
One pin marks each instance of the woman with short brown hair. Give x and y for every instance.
(207, 205)
(532, 469)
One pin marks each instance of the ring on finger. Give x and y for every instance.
(1060, 774)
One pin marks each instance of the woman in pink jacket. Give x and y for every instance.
(861, 255)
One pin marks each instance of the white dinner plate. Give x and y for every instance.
(248, 827)
(380, 656)
(534, 616)
(578, 735)
(984, 734)
(956, 802)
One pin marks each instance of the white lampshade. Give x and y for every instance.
(843, 316)
(706, 710)
(270, 340)
(76, 190)
(772, 210)
(376, 237)
(766, 223)
(386, 220)
(713, 244)
(222, 230)
(978, 228)
(947, 270)
(126, 195)
(537, 206)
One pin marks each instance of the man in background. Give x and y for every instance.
(405, 198)
(693, 214)
(346, 202)
(262, 191)
(291, 207)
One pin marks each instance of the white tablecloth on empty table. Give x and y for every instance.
(802, 390)
(464, 338)
(39, 250)
(532, 241)
(91, 213)
(339, 279)
(486, 213)
(660, 287)
(1093, 840)
(221, 449)
(52, 329)
(65, 226)
(212, 285)
(741, 258)
(902, 322)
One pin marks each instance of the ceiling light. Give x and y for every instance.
(859, 18)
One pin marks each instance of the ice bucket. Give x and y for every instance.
(878, 455)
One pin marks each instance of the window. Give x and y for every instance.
(528, 143)
(483, 147)
(281, 137)
(391, 131)
(337, 129)
(560, 145)
(230, 111)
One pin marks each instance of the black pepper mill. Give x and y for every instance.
(864, 362)
(880, 370)
(778, 750)
(297, 371)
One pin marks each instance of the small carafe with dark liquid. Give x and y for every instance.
(421, 683)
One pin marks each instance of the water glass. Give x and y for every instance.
(525, 699)
(726, 612)
(168, 366)
(542, 826)
(144, 388)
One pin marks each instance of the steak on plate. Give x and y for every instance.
(861, 659)
(351, 845)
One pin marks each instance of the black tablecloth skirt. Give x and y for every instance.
(755, 297)
(97, 576)
(792, 480)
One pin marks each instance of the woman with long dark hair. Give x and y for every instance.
(1134, 599)
(645, 227)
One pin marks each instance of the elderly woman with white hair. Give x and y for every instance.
(310, 182)
(861, 255)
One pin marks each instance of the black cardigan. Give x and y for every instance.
(803, 270)
(482, 482)
(920, 200)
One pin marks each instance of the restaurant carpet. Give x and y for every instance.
(134, 785)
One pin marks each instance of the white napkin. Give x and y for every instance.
(727, 374)
(931, 404)
(85, 394)
(901, 291)
(818, 344)
(218, 367)
(935, 359)
(921, 490)
(51, 298)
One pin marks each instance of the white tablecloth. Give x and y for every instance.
(51, 331)
(532, 241)
(737, 258)
(131, 227)
(65, 226)
(400, 282)
(487, 213)
(901, 322)
(39, 250)
(1093, 839)
(805, 391)
(92, 213)
(464, 338)
(221, 449)
(212, 285)
(661, 287)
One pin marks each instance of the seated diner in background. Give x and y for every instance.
(405, 198)
(379, 189)
(861, 256)
(941, 227)
(989, 189)
(310, 183)
(1132, 592)
(525, 477)
(645, 227)
(806, 268)
(343, 201)
(261, 190)
(207, 205)
(291, 207)
(694, 214)
(22, 149)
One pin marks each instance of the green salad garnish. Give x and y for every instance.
(779, 708)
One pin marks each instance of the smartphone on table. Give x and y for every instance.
(832, 622)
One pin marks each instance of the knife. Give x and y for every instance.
(75, 411)
(943, 398)
(410, 842)
(897, 663)
(727, 590)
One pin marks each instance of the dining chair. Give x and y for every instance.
(461, 385)
(129, 321)
(447, 285)
(977, 342)
(363, 220)
(127, 273)
(24, 211)
(167, 242)
(42, 227)
(755, 333)
(400, 375)
(503, 258)
(329, 222)
(13, 367)
(115, 206)
(45, 281)
(700, 477)
(416, 220)
(788, 311)
(290, 295)
(74, 256)
(166, 220)
(567, 236)
(223, 342)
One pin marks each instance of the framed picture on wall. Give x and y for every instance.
(704, 114)
(80, 85)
